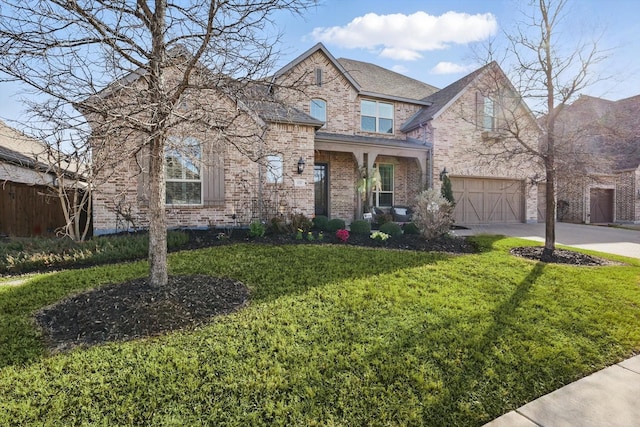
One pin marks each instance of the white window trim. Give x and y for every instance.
(489, 113)
(316, 100)
(275, 169)
(376, 194)
(185, 180)
(377, 116)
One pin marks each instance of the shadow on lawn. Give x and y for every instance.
(460, 356)
(270, 272)
(482, 358)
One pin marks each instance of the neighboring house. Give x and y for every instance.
(609, 189)
(306, 151)
(27, 207)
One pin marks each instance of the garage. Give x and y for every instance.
(601, 203)
(485, 201)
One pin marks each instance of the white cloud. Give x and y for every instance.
(451, 68)
(400, 69)
(404, 37)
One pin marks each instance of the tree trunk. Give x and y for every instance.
(550, 214)
(157, 186)
(157, 222)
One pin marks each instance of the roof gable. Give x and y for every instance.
(317, 47)
(443, 99)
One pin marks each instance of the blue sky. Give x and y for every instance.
(433, 40)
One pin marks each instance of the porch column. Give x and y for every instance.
(365, 160)
(424, 163)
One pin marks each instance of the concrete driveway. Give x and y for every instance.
(598, 238)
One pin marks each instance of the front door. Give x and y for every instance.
(321, 188)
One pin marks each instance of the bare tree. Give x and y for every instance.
(549, 72)
(139, 71)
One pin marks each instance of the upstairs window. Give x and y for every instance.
(183, 176)
(489, 117)
(376, 116)
(319, 109)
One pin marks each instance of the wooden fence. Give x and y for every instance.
(28, 210)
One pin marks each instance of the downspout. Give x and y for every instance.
(429, 170)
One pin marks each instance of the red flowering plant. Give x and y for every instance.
(342, 235)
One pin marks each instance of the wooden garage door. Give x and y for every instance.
(601, 205)
(485, 201)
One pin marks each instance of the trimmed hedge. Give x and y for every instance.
(336, 224)
(361, 226)
(321, 222)
(410, 228)
(392, 229)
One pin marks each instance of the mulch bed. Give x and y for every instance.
(450, 244)
(133, 309)
(561, 256)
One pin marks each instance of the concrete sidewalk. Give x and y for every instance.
(610, 397)
(607, 398)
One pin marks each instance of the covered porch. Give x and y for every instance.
(342, 160)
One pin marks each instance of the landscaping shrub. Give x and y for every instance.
(300, 222)
(336, 224)
(23, 255)
(410, 228)
(360, 226)
(321, 222)
(256, 229)
(446, 190)
(342, 235)
(384, 218)
(433, 214)
(278, 225)
(380, 236)
(392, 229)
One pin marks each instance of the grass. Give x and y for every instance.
(333, 336)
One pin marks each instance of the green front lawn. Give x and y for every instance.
(333, 336)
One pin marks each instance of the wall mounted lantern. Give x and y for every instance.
(301, 164)
(443, 173)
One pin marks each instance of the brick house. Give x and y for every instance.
(314, 144)
(609, 134)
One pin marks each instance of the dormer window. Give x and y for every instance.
(318, 109)
(376, 116)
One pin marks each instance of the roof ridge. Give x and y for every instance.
(389, 70)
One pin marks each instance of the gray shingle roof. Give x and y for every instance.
(271, 111)
(408, 143)
(11, 156)
(375, 79)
